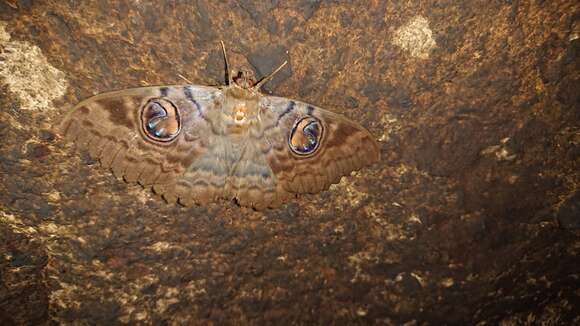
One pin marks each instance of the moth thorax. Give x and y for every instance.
(240, 114)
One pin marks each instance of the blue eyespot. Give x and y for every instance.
(305, 136)
(160, 119)
(154, 121)
(160, 132)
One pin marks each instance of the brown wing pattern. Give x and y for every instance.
(109, 125)
(344, 146)
(251, 181)
(173, 138)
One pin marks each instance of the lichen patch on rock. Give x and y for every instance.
(415, 37)
(28, 74)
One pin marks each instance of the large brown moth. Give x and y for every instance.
(197, 144)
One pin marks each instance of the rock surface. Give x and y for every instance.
(468, 219)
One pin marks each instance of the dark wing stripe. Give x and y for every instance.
(289, 109)
(189, 96)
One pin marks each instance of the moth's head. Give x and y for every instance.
(244, 79)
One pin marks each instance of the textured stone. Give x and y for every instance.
(468, 218)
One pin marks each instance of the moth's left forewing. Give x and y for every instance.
(344, 146)
(110, 126)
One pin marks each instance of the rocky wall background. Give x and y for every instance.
(471, 217)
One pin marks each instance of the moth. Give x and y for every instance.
(199, 144)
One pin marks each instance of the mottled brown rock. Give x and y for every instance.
(467, 219)
(24, 290)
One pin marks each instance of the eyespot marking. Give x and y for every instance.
(305, 136)
(160, 120)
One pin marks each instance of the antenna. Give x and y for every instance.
(264, 80)
(228, 72)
